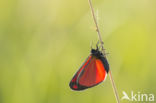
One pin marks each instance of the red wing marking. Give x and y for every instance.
(93, 73)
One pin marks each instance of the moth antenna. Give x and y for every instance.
(97, 44)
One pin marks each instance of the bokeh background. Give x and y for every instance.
(44, 42)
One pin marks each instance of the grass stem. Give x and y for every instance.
(103, 51)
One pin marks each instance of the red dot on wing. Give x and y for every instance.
(75, 86)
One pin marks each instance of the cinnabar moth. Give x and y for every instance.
(92, 72)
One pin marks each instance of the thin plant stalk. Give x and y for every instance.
(103, 51)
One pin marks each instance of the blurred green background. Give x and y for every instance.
(44, 42)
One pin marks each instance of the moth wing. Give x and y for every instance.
(93, 74)
(73, 83)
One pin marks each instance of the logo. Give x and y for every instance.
(138, 97)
